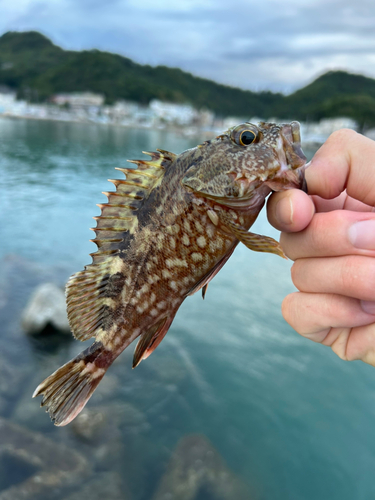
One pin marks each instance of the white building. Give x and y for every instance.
(180, 114)
(79, 100)
(320, 131)
(7, 99)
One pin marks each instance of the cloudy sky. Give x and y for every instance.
(267, 44)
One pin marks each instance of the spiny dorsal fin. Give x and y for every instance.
(118, 215)
(86, 301)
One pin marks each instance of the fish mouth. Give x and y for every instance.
(292, 160)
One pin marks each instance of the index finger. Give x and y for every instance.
(345, 161)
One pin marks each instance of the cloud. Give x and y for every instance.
(257, 45)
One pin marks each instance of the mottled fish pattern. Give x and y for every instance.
(167, 229)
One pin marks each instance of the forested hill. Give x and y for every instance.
(36, 68)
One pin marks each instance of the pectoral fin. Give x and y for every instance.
(255, 242)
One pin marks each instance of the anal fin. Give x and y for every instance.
(151, 339)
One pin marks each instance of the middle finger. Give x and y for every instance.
(352, 275)
(332, 234)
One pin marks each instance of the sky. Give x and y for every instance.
(258, 45)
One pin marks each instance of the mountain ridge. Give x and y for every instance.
(36, 68)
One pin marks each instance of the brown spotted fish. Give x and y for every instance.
(165, 232)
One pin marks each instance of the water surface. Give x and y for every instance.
(290, 418)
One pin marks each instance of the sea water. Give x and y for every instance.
(287, 416)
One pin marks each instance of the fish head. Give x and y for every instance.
(242, 166)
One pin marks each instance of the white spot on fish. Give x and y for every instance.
(94, 371)
(213, 216)
(142, 307)
(210, 230)
(173, 285)
(187, 226)
(176, 262)
(185, 239)
(197, 257)
(201, 241)
(199, 226)
(213, 246)
(109, 302)
(116, 265)
(172, 243)
(166, 273)
(143, 290)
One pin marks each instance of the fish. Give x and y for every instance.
(168, 228)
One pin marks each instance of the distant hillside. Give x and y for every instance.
(36, 68)
(335, 93)
(30, 63)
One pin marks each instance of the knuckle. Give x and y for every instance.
(356, 277)
(339, 346)
(287, 308)
(342, 135)
(294, 270)
(286, 246)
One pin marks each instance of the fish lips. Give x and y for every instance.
(292, 159)
(289, 179)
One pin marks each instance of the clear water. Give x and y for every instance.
(287, 416)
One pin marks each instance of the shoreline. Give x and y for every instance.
(188, 131)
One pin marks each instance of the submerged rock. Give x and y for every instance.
(89, 425)
(46, 307)
(104, 486)
(34, 467)
(196, 470)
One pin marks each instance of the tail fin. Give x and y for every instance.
(67, 391)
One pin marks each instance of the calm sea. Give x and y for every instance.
(287, 417)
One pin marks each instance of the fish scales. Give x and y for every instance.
(165, 232)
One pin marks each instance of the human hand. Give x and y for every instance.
(331, 237)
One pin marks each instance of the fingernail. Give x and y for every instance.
(368, 306)
(362, 234)
(284, 211)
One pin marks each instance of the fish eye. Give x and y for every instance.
(244, 135)
(247, 137)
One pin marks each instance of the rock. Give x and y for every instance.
(101, 423)
(89, 424)
(106, 485)
(97, 431)
(46, 307)
(11, 377)
(3, 405)
(196, 470)
(34, 467)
